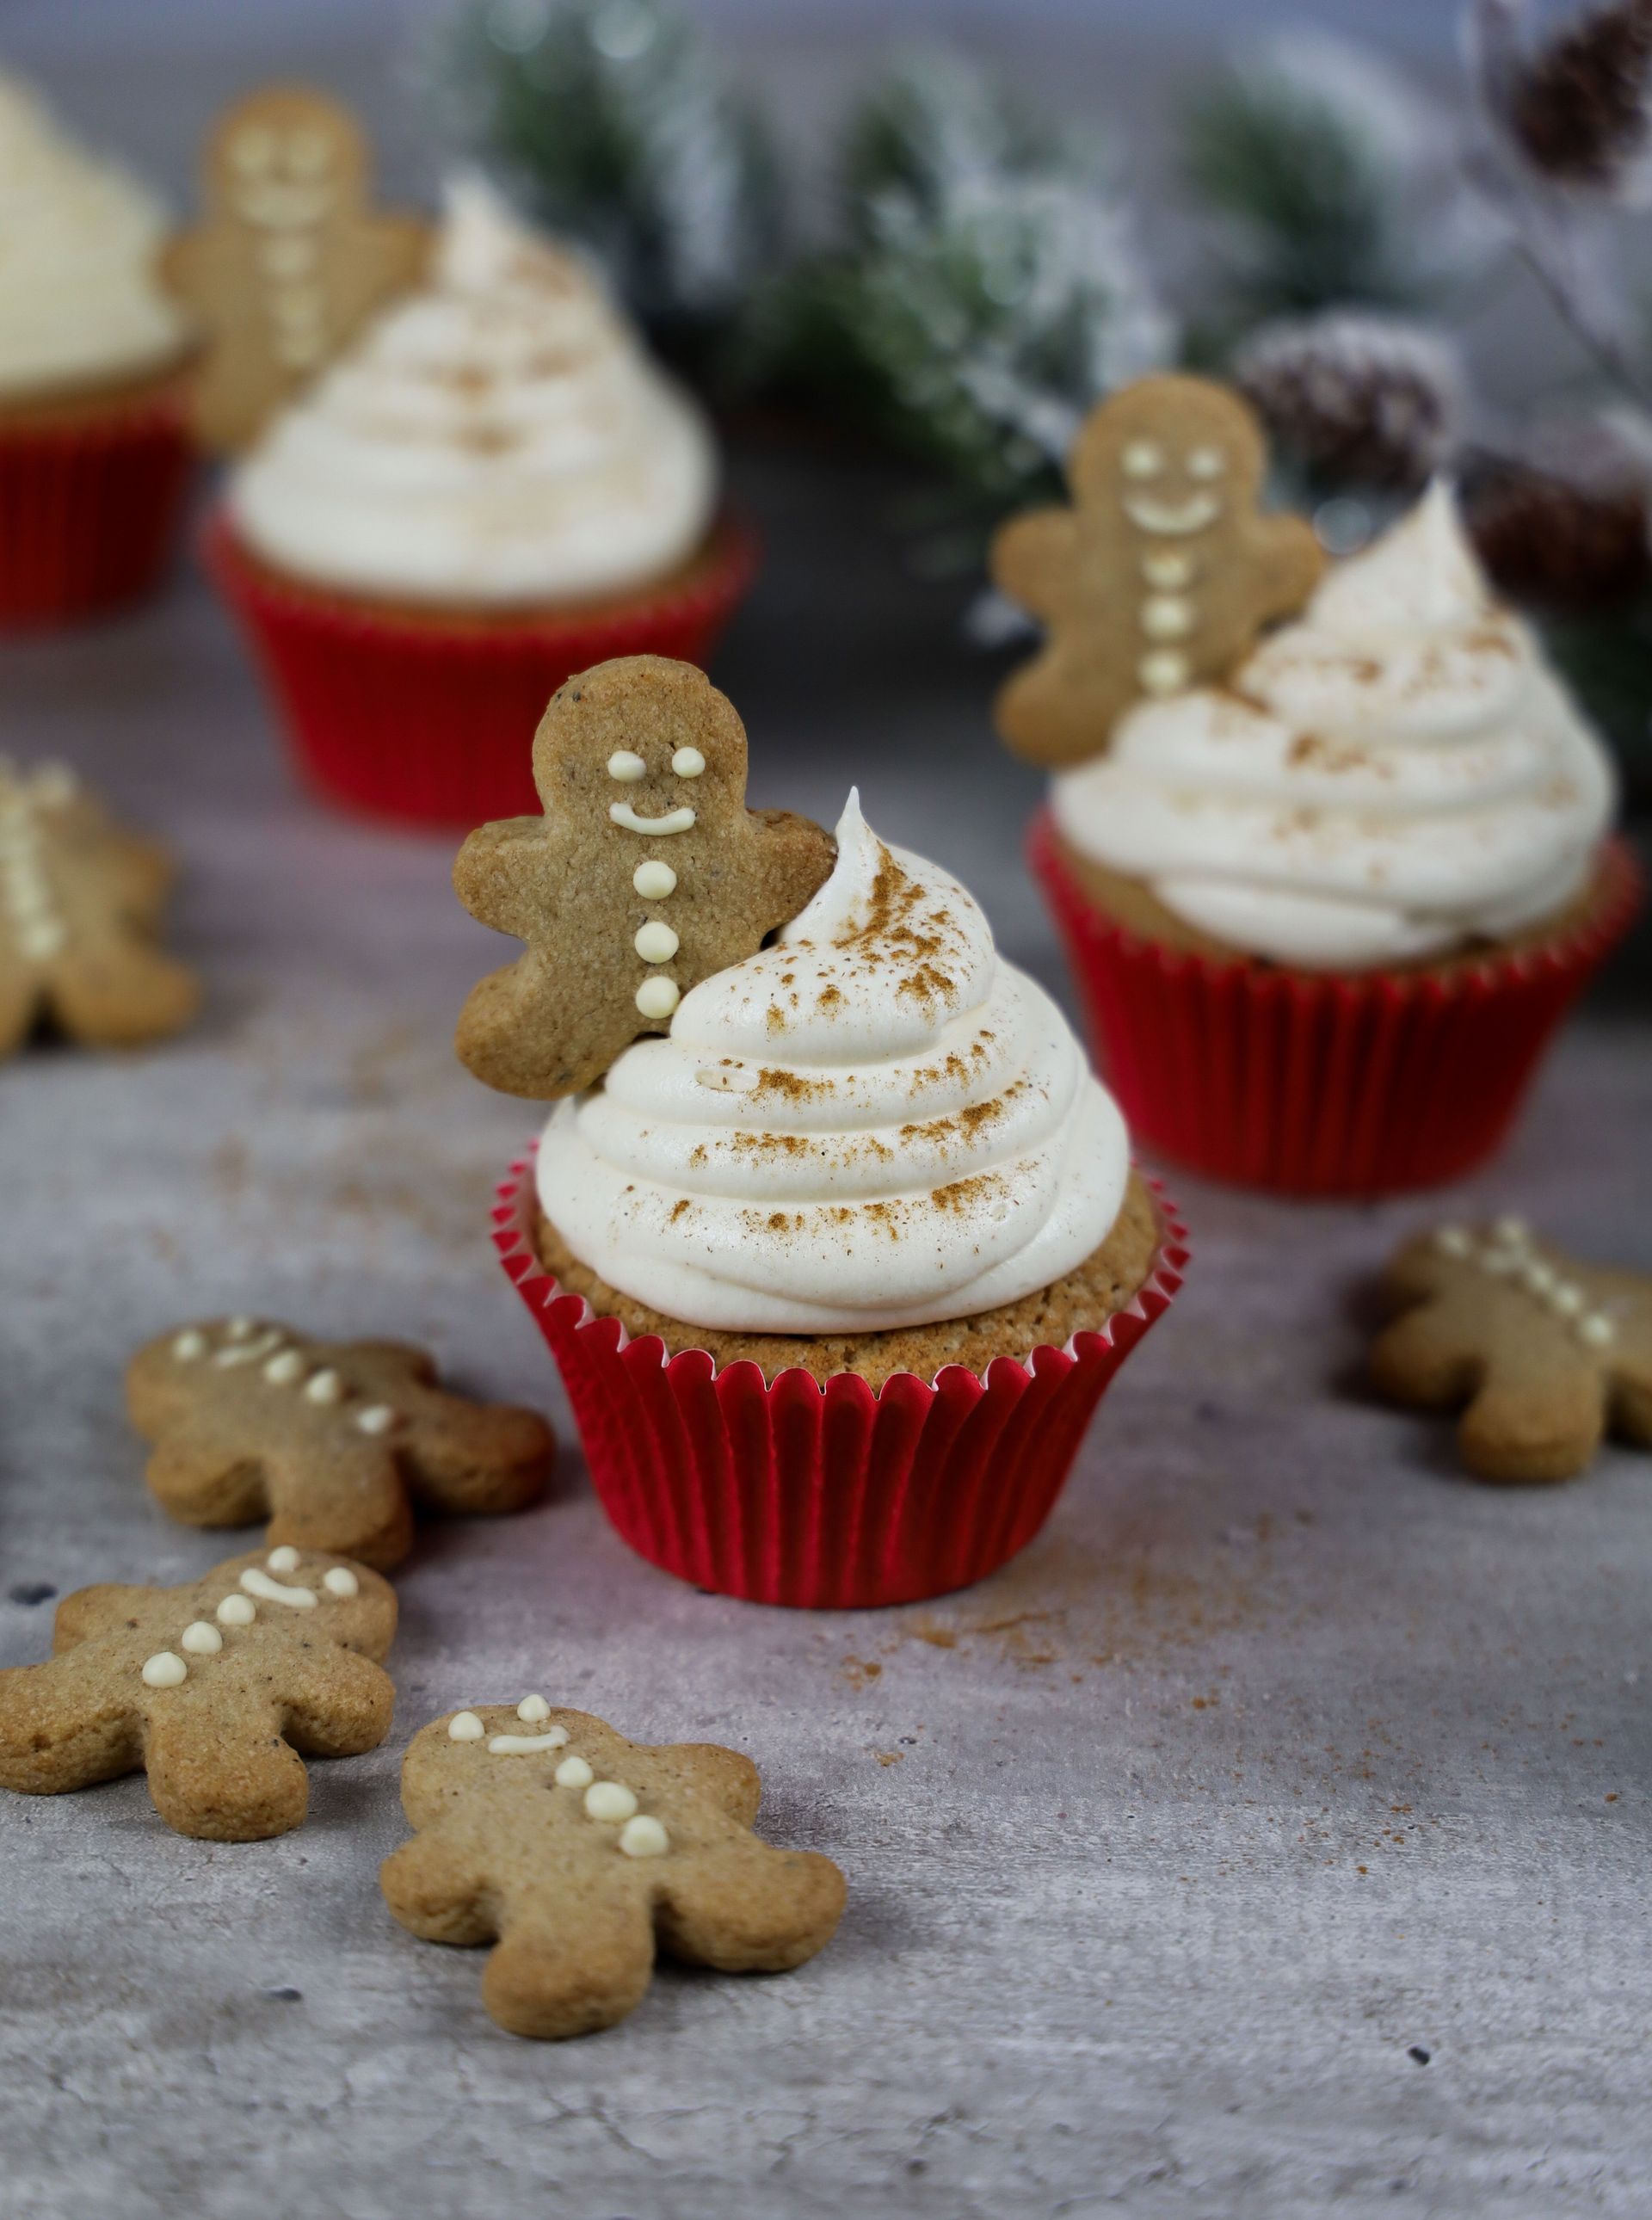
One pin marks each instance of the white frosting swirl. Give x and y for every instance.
(499, 439)
(872, 1123)
(1394, 776)
(79, 238)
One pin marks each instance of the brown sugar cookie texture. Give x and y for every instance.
(288, 259)
(81, 904)
(218, 1690)
(646, 873)
(1159, 575)
(1545, 1353)
(333, 1441)
(578, 1854)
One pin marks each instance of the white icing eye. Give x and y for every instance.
(1206, 463)
(533, 1709)
(626, 767)
(339, 1580)
(688, 762)
(283, 1560)
(1142, 459)
(465, 1726)
(189, 1344)
(654, 880)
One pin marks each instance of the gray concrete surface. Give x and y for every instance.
(1270, 1841)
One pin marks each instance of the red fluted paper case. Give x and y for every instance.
(430, 722)
(782, 1491)
(1348, 1085)
(89, 509)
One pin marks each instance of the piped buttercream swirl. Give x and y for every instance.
(874, 1122)
(80, 299)
(499, 439)
(1394, 776)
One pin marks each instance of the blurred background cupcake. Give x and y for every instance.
(1326, 916)
(493, 487)
(94, 358)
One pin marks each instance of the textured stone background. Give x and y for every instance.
(1270, 1841)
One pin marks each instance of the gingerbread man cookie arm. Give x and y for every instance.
(499, 875)
(753, 1910)
(1033, 559)
(120, 995)
(88, 1612)
(437, 1891)
(58, 1734)
(335, 1707)
(1522, 1420)
(1290, 563)
(727, 1776)
(236, 1779)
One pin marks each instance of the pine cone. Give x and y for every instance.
(1564, 525)
(1579, 107)
(1356, 400)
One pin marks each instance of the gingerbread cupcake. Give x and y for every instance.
(1326, 910)
(94, 357)
(838, 1254)
(492, 487)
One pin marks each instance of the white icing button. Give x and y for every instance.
(237, 1611)
(1454, 1241)
(626, 766)
(655, 943)
(654, 880)
(165, 1670)
(376, 1419)
(326, 1387)
(204, 1641)
(1142, 459)
(644, 1837)
(465, 1726)
(1165, 671)
(1512, 1232)
(1167, 616)
(658, 998)
(1595, 1331)
(574, 1772)
(533, 1709)
(1566, 1300)
(1167, 570)
(268, 1591)
(283, 1560)
(609, 1799)
(282, 1371)
(509, 1745)
(1537, 1277)
(241, 1328)
(339, 1580)
(189, 1344)
(688, 762)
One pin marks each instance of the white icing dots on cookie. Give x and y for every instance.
(658, 998)
(655, 943)
(236, 1611)
(201, 1639)
(247, 1350)
(465, 1726)
(376, 1419)
(325, 1387)
(268, 1591)
(574, 1772)
(1596, 1330)
(688, 762)
(240, 1329)
(532, 1710)
(166, 1670)
(339, 1580)
(609, 1799)
(190, 1345)
(1508, 1253)
(1166, 670)
(644, 1837)
(510, 1745)
(1565, 1300)
(626, 766)
(286, 1369)
(654, 880)
(283, 1560)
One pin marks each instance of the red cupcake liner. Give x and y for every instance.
(428, 722)
(1345, 1086)
(89, 509)
(783, 1490)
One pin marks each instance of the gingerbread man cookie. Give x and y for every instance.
(646, 873)
(218, 1690)
(330, 1438)
(577, 1854)
(81, 902)
(1159, 576)
(289, 260)
(1545, 1352)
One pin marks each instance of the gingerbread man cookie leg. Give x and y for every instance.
(647, 874)
(576, 1852)
(218, 1689)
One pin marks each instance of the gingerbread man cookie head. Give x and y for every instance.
(1160, 576)
(289, 258)
(646, 873)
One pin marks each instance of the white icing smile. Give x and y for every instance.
(1173, 518)
(675, 820)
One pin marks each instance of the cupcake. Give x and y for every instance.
(94, 447)
(1326, 912)
(493, 487)
(836, 1262)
